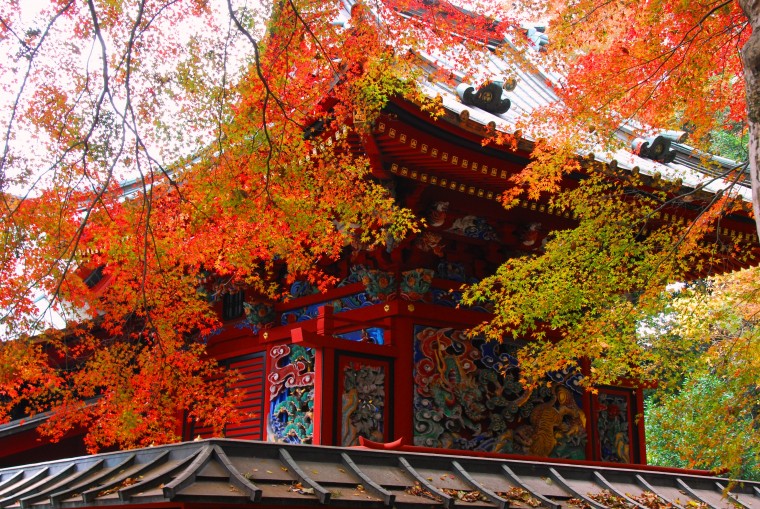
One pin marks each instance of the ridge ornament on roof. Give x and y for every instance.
(489, 97)
(657, 147)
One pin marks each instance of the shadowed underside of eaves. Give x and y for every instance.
(215, 473)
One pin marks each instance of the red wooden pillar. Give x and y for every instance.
(402, 388)
(324, 383)
(267, 395)
(638, 395)
(324, 396)
(588, 409)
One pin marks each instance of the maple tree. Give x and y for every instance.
(208, 125)
(692, 66)
(161, 158)
(652, 65)
(709, 418)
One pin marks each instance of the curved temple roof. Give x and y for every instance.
(533, 88)
(212, 473)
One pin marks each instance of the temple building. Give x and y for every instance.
(372, 394)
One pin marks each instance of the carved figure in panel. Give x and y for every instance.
(260, 315)
(415, 284)
(372, 335)
(468, 396)
(430, 242)
(436, 215)
(291, 394)
(613, 425)
(453, 272)
(531, 236)
(474, 227)
(362, 403)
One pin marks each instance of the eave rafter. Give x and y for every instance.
(214, 473)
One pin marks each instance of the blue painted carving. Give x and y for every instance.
(302, 289)
(291, 394)
(453, 272)
(259, 315)
(302, 314)
(415, 284)
(354, 301)
(379, 286)
(373, 335)
(474, 227)
(446, 298)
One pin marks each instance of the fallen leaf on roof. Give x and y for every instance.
(521, 495)
(418, 491)
(580, 504)
(651, 500)
(465, 496)
(297, 487)
(612, 501)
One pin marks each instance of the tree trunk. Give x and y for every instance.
(751, 59)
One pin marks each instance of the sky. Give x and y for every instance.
(28, 86)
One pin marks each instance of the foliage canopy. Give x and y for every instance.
(164, 157)
(208, 124)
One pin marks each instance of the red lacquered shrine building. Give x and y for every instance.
(382, 357)
(381, 361)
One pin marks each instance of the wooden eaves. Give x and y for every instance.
(226, 473)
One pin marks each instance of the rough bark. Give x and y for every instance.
(751, 59)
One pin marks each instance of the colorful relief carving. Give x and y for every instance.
(531, 236)
(302, 289)
(354, 301)
(474, 227)
(468, 396)
(453, 272)
(436, 215)
(355, 275)
(613, 425)
(291, 394)
(372, 335)
(380, 285)
(311, 311)
(362, 403)
(441, 297)
(259, 315)
(415, 284)
(430, 242)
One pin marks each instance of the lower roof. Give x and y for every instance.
(218, 472)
